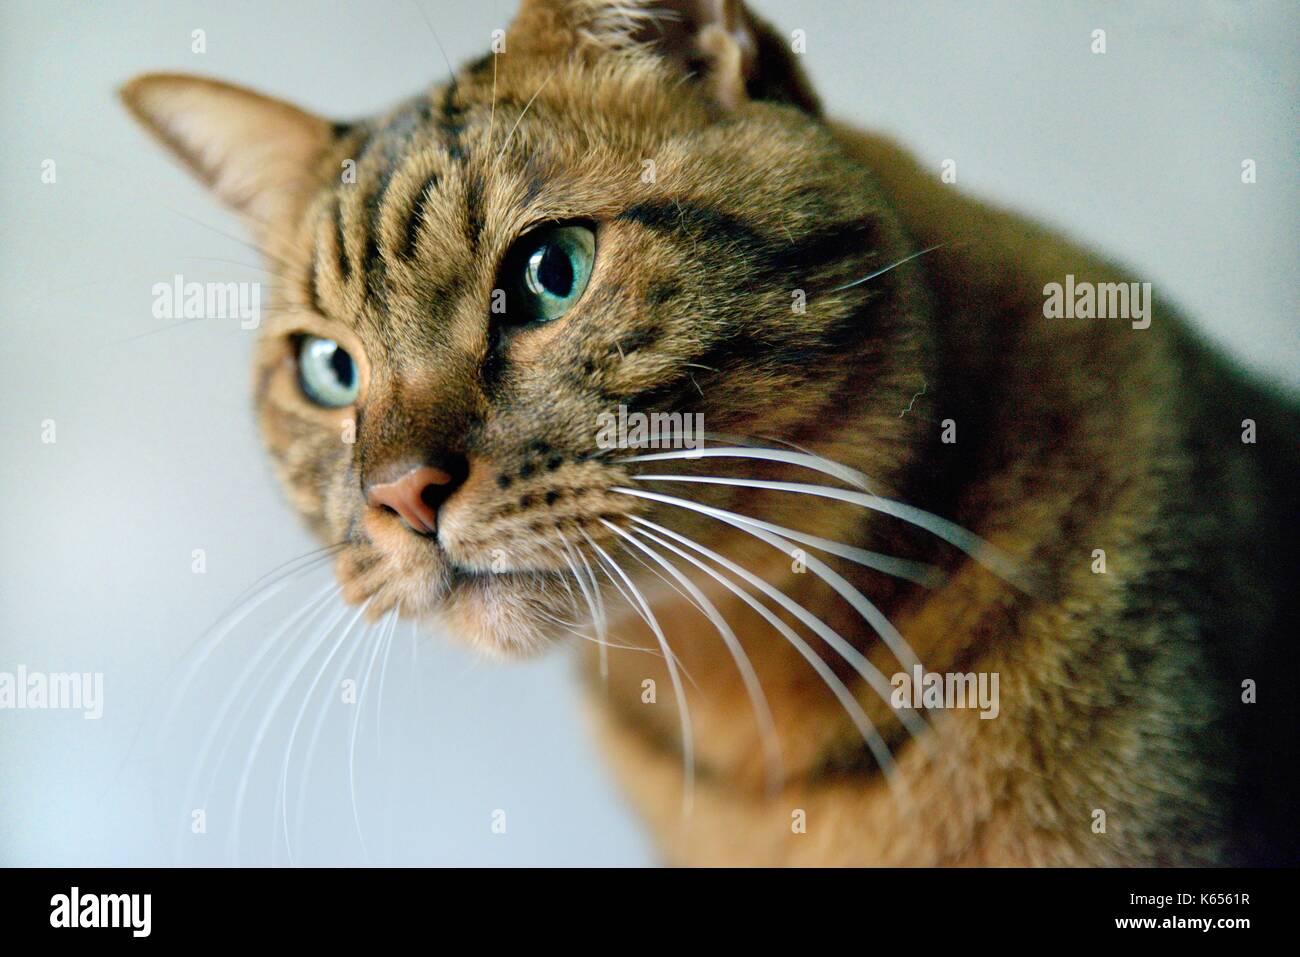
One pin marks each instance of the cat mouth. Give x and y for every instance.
(503, 614)
(505, 575)
(461, 577)
(426, 574)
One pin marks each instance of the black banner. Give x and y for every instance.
(332, 907)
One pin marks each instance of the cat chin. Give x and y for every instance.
(502, 616)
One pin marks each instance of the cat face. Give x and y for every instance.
(471, 284)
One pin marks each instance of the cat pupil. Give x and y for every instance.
(343, 368)
(555, 272)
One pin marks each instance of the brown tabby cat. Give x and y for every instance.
(642, 205)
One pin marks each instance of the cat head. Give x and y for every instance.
(624, 205)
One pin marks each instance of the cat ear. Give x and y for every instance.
(254, 152)
(733, 53)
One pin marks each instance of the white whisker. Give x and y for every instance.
(259, 736)
(492, 119)
(663, 578)
(977, 548)
(352, 737)
(601, 621)
(881, 272)
(257, 668)
(757, 699)
(803, 459)
(383, 674)
(864, 606)
(527, 106)
(921, 573)
(596, 619)
(869, 672)
(670, 661)
(285, 685)
(875, 743)
(261, 591)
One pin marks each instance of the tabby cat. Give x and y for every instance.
(640, 207)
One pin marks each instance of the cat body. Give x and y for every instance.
(640, 207)
(1121, 683)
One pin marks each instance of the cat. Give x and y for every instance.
(642, 206)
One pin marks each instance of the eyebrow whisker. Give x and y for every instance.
(527, 107)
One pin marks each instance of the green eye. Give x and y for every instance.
(326, 372)
(556, 265)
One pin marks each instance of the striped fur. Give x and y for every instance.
(1121, 692)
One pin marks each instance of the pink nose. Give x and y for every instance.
(415, 496)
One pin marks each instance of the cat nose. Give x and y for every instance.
(417, 492)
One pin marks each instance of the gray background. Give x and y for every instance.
(1138, 151)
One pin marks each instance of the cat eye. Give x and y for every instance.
(552, 268)
(326, 373)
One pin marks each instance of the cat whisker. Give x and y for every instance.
(216, 639)
(153, 332)
(259, 735)
(313, 557)
(539, 581)
(575, 630)
(967, 541)
(660, 575)
(670, 662)
(920, 573)
(352, 737)
(567, 623)
(762, 442)
(393, 622)
(864, 606)
(870, 735)
(753, 688)
(296, 177)
(602, 621)
(564, 579)
(598, 605)
(252, 247)
(527, 106)
(310, 610)
(623, 592)
(288, 311)
(492, 119)
(635, 603)
(881, 272)
(451, 72)
(576, 627)
(869, 672)
(803, 459)
(298, 717)
(383, 673)
(596, 619)
(228, 262)
(266, 313)
(214, 634)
